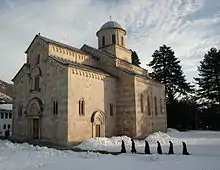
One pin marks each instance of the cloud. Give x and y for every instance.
(190, 27)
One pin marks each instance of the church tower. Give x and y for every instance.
(111, 38)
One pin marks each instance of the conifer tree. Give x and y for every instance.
(209, 79)
(135, 58)
(166, 69)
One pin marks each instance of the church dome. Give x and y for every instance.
(111, 25)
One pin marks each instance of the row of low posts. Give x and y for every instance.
(159, 149)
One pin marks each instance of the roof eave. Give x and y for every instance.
(110, 28)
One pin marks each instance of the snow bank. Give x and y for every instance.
(114, 143)
(172, 130)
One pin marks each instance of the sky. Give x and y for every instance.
(189, 27)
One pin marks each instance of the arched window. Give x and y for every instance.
(122, 40)
(35, 78)
(103, 41)
(30, 83)
(55, 107)
(148, 105)
(155, 105)
(82, 107)
(20, 110)
(142, 103)
(111, 109)
(36, 82)
(38, 59)
(161, 106)
(113, 39)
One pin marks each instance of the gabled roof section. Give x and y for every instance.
(95, 52)
(50, 41)
(24, 65)
(98, 53)
(82, 66)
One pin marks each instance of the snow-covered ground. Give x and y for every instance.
(204, 147)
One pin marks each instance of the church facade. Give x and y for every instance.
(64, 95)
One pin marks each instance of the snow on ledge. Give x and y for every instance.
(6, 106)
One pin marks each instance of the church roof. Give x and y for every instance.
(79, 65)
(50, 41)
(111, 24)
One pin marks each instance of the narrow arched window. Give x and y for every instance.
(161, 106)
(81, 107)
(38, 59)
(111, 109)
(20, 110)
(55, 107)
(36, 82)
(35, 78)
(113, 39)
(122, 40)
(103, 40)
(30, 83)
(155, 105)
(148, 105)
(142, 103)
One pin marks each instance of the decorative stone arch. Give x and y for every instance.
(98, 123)
(34, 106)
(34, 110)
(35, 78)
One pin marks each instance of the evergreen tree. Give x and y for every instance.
(209, 79)
(208, 92)
(166, 69)
(135, 59)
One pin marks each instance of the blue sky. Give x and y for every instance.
(190, 27)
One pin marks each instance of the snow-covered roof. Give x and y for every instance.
(6, 106)
(4, 96)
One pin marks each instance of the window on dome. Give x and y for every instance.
(122, 40)
(113, 39)
(103, 40)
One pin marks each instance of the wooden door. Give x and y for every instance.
(98, 130)
(36, 128)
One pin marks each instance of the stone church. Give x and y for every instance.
(64, 95)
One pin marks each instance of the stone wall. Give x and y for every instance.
(20, 90)
(97, 91)
(56, 89)
(53, 85)
(126, 105)
(153, 115)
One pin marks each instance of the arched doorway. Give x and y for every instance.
(33, 118)
(98, 124)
